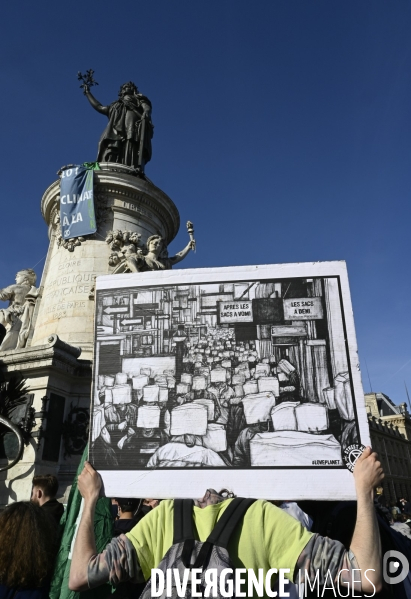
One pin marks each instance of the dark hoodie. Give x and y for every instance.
(54, 508)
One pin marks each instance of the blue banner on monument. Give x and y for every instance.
(77, 215)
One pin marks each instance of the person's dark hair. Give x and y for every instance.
(27, 545)
(48, 483)
(128, 505)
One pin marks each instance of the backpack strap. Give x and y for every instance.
(183, 528)
(183, 520)
(228, 522)
(221, 533)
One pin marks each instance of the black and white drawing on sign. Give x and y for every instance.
(236, 375)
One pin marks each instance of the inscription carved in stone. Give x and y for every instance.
(68, 282)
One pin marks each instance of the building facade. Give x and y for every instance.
(390, 431)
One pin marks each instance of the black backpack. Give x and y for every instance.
(186, 553)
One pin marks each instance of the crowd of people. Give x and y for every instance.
(29, 536)
(273, 534)
(397, 513)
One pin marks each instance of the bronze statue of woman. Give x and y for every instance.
(127, 137)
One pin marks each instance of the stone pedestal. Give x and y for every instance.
(53, 372)
(122, 201)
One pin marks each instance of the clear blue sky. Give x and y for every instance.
(282, 130)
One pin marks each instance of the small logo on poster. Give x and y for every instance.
(351, 455)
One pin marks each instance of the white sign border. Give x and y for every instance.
(288, 483)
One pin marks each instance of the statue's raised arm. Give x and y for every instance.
(181, 255)
(95, 103)
(191, 245)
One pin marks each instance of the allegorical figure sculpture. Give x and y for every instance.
(17, 317)
(128, 255)
(127, 137)
(157, 255)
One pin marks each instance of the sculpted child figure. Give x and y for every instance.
(133, 253)
(126, 249)
(17, 317)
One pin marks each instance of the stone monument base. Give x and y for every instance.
(59, 383)
(62, 319)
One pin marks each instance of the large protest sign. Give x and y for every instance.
(243, 377)
(77, 216)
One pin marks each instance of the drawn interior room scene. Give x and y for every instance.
(235, 375)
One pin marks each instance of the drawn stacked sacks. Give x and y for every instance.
(190, 418)
(250, 388)
(270, 384)
(293, 448)
(218, 375)
(306, 417)
(209, 405)
(121, 388)
(294, 424)
(148, 417)
(258, 389)
(215, 437)
(214, 363)
(258, 407)
(218, 352)
(200, 382)
(258, 393)
(193, 390)
(283, 416)
(116, 389)
(195, 417)
(139, 382)
(121, 394)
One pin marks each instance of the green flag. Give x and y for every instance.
(93, 165)
(103, 530)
